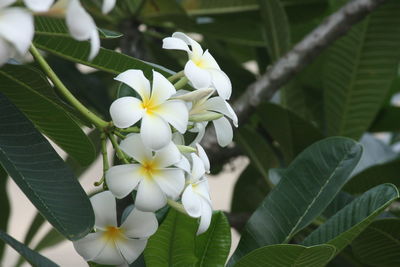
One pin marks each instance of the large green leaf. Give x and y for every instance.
(174, 242)
(379, 164)
(284, 255)
(212, 247)
(42, 175)
(307, 187)
(258, 150)
(206, 7)
(341, 229)
(107, 60)
(359, 71)
(386, 120)
(35, 259)
(4, 205)
(292, 133)
(32, 94)
(379, 244)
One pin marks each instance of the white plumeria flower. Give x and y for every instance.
(201, 69)
(196, 197)
(108, 5)
(16, 31)
(154, 108)
(112, 244)
(222, 126)
(153, 176)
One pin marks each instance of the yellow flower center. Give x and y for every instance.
(148, 105)
(148, 168)
(199, 62)
(113, 233)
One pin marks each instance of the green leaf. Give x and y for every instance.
(32, 94)
(107, 60)
(341, 229)
(250, 189)
(212, 247)
(307, 187)
(258, 150)
(42, 175)
(174, 242)
(4, 205)
(359, 72)
(47, 26)
(276, 30)
(379, 244)
(284, 255)
(386, 120)
(379, 164)
(292, 133)
(35, 259)
(207, 7)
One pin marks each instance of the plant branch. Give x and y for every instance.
(302, 54)
(101, 124)
(119, 152)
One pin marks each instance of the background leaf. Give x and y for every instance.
(42, 175)
(31, 256)
(4, 205)
(359, 71)
(379, 244)
(284, 255)
(307, 186)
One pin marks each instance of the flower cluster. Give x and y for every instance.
(16, 42)
(163, 165)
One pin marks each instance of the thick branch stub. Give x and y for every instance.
(302, 54)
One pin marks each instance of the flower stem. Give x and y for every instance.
(177, 206)
(119, 152)
(176, 76)
(133, 129)
(98, 122)
(181, 83)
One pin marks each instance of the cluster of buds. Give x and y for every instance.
(164, 167)
(17, 25)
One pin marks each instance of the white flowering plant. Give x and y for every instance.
(165, 95)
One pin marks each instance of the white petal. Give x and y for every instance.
(203, 156)
(149, 196)
(110, 255)
(205, 219)
(203, 190)
(38, 5)
(122, 179)
(126, 111)
(175, 43)
(134, 147)
(191, 202)
(171, 181)
(155, 132)
(6, 51)
(193, 95)
(108, 5)
(131, 248)
(221, 83)
(140, 224)
(178, 138)
(80, 24)
(197, 51)
(162, 89)
(218, 104)
(209, 62)
(90, 246)
(198, 169)
(224, 131)
(136, 80)
(199, 77)
(104, 208)
(176, 113)
(4, 3)
(183, 164)
(167, 156)
(16, 26)
(201, 129)
(94, 44)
